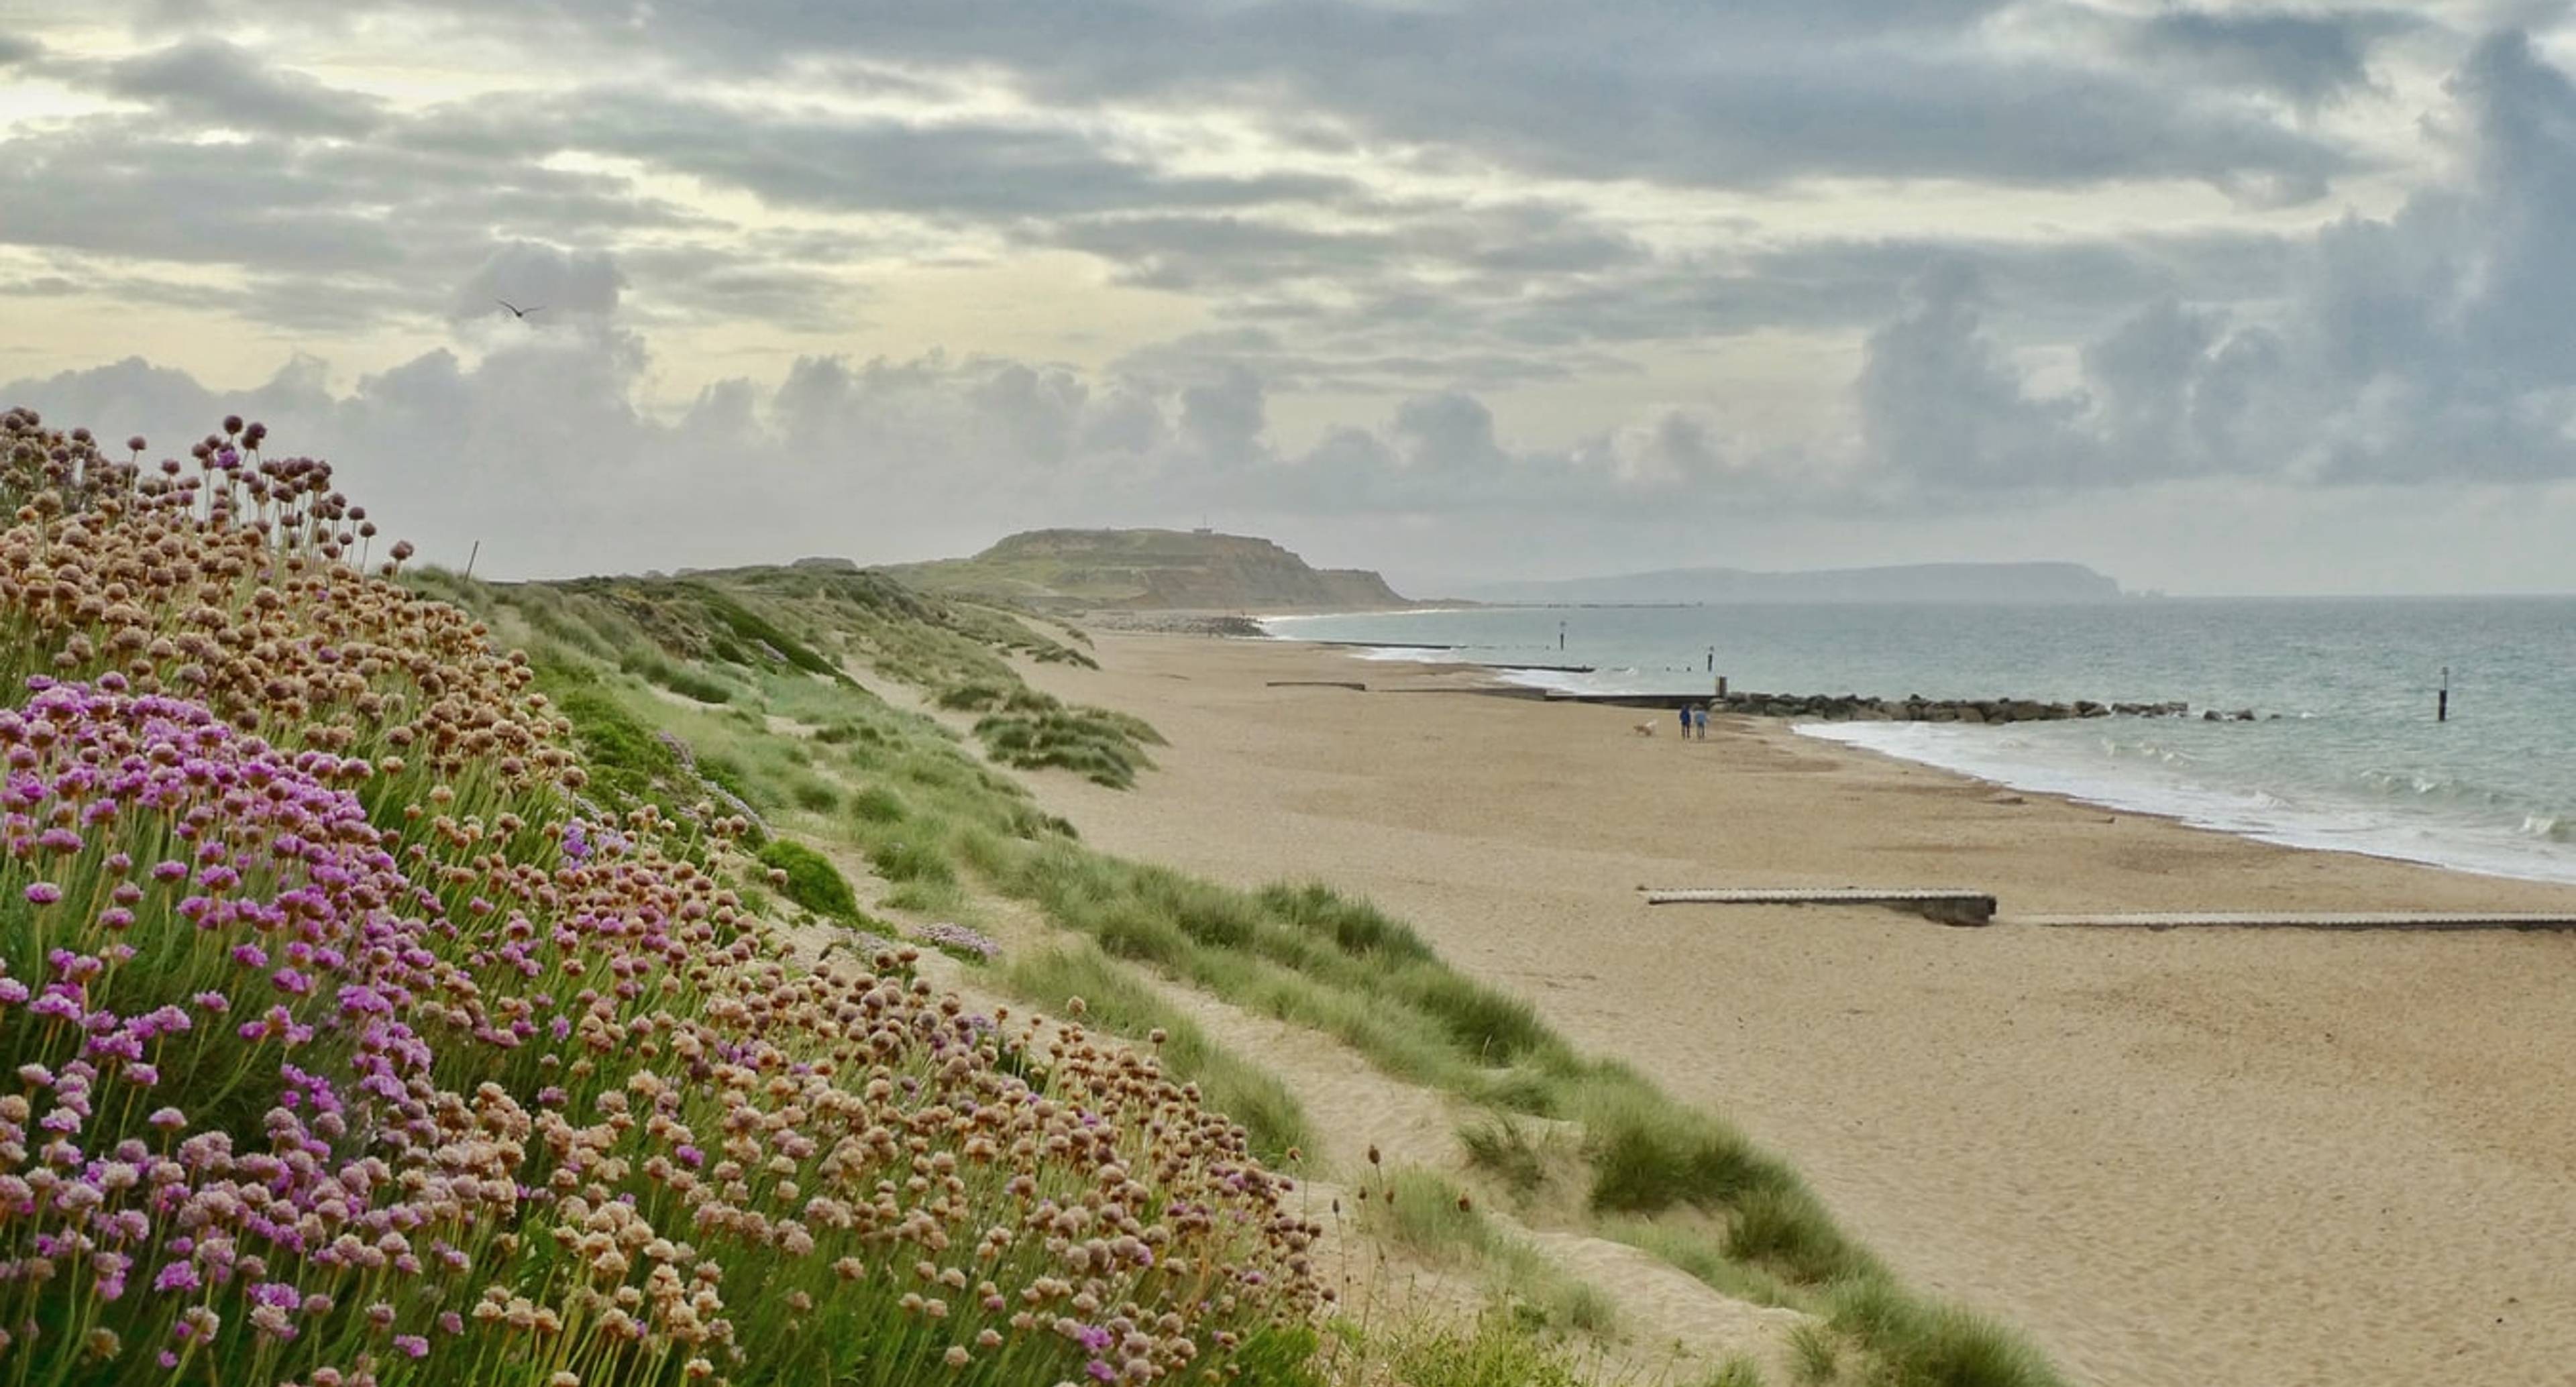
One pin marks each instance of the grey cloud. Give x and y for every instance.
(535, 278)
(1719, 94)
(1731, 95)
(1384, 318)
(120, 187)
(1940, 406)
(220, 85)
(712, 283)
(2438, 345)
(2146, 374)
(339, 236)
(1226, 417)
(808, 159)
(1439, 457)
(1354, 371)
(1498, 248)
(2305, 57)
(538, 449)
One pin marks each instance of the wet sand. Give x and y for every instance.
(2181, 1157)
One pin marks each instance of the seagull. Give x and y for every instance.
(518, 312)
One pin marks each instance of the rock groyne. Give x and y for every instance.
(1915, 708)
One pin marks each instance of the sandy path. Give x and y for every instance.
(2186, 1158)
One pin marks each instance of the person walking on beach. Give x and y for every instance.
(1685, 711)
(1699, 723)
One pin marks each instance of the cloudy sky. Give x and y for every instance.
(2217, 298)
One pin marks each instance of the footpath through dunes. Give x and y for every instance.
(2202, 1157)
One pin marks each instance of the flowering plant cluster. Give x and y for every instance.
(341, 1045)
(949, 937)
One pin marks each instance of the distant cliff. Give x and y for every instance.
(1161, 570)
(1928, 582)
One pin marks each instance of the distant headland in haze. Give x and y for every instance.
(1925, 582)
(1203, 570)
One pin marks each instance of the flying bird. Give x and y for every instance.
(518, 312)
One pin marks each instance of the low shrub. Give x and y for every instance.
(811, 880)
(1920, 1345)
(876, 804)
(1500, 1350)
(1502, 1148)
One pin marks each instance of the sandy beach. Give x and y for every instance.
(2181, 1157)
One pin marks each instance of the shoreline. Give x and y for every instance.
(2250, 814)
(2230, 1156)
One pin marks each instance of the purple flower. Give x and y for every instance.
(412, 1344)
(43, 893)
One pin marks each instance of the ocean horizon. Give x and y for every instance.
(2344, 752)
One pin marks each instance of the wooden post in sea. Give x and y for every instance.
(1560, 635)
(2442, 700)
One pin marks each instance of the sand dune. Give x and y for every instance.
(2174, 1158)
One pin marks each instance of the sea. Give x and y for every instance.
(2345, 752)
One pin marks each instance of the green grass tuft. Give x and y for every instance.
(1650, 1154)
(1502, 1148)
(1502, 1350)
(812, 881)
(877, 804)
(1920, 1345)
(1785, 1230)
(1814, 1355)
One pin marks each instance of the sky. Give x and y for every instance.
(2216, 298)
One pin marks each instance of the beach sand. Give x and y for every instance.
(2181, 1157)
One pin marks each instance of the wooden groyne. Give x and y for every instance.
(1955, 906)
(2325, 920)
(1946, 906)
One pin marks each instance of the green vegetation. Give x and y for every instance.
(1147, 569)
(1501, 1147)
(1590, 1144)
(1427, 1212)
(573, 1115)
(1499, 1350)
(1113, 1000)
(810, 880)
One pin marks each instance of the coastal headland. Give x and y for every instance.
(2197, 1157)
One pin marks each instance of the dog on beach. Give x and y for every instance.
(1644, 729)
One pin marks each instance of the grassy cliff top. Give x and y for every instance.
(1150, 570)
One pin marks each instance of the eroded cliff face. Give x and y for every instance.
(1154, 570)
